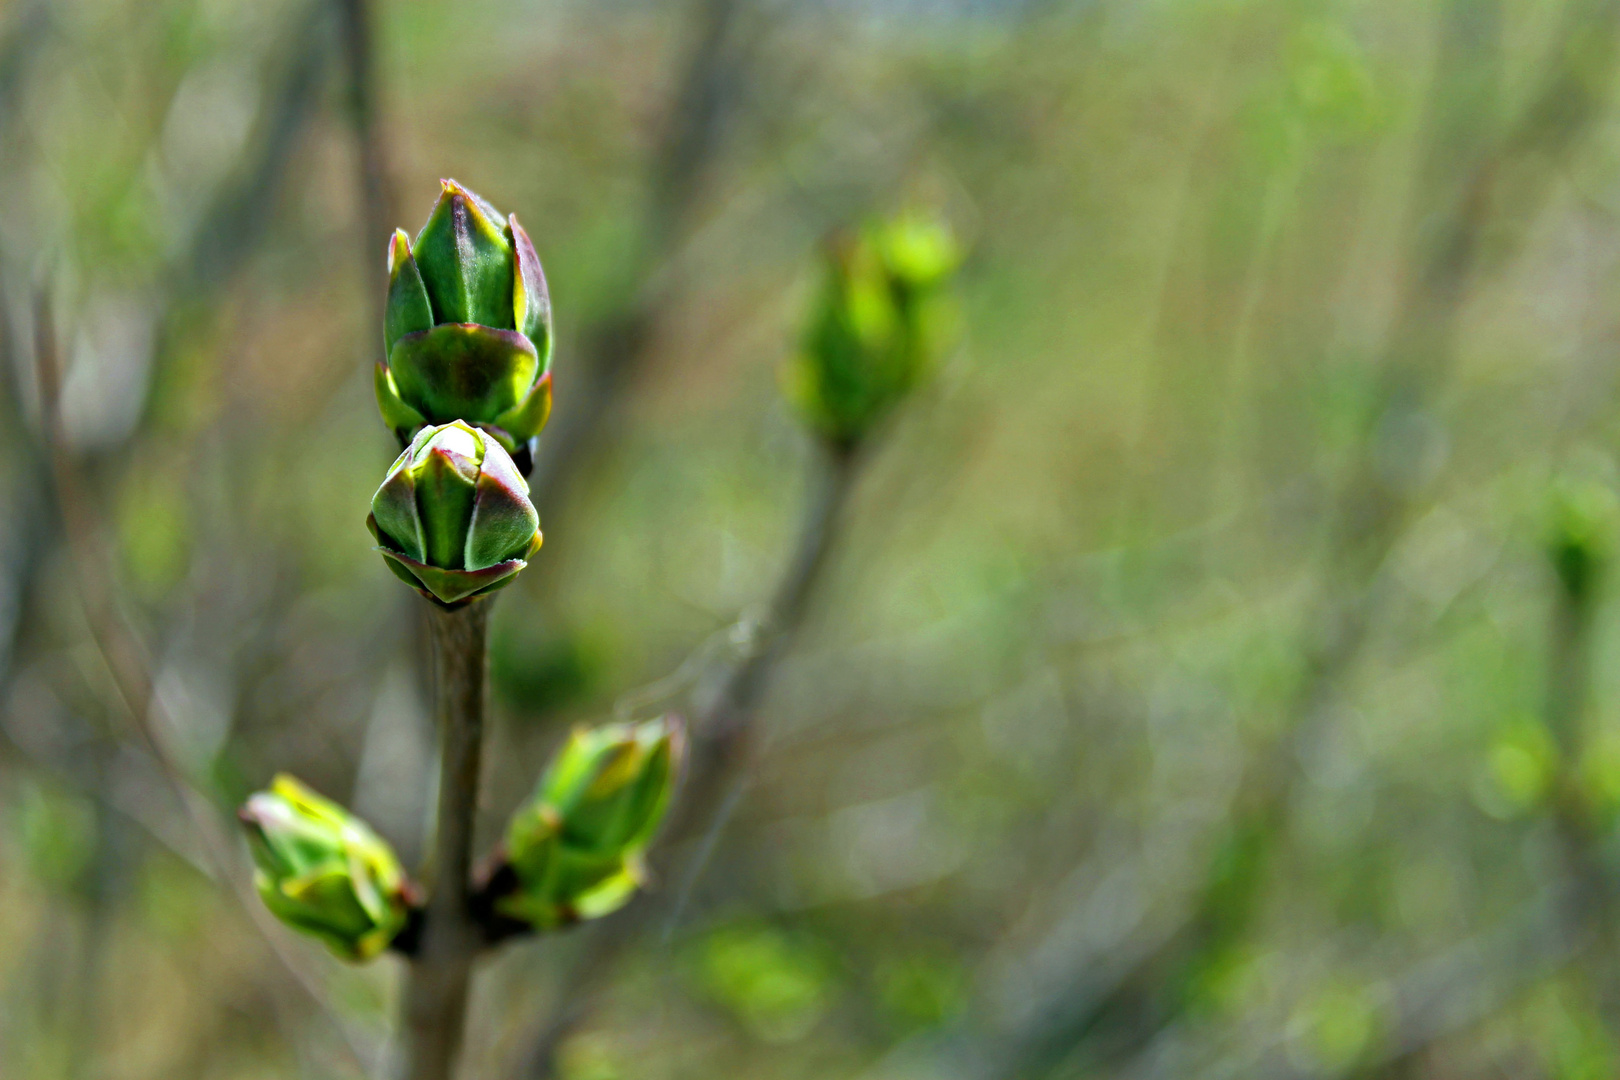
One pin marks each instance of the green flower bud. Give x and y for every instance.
(452, 517)
(467, 328)
(576, 846)
(322, 871)
(880, 320)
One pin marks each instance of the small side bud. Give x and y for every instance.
(576, 846)
(880, 321)
(322, 871)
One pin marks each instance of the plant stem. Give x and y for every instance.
(436, 999)
(720, 733)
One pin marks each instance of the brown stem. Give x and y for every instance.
(436, 999)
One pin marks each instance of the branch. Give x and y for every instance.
(120, 648)
(722, 733)
(436, 999)
(371, 153)
(616, 346)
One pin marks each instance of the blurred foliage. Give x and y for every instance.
(778, 985)
(1214, 673)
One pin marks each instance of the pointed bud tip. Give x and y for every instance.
(455, 190)
(399, 250)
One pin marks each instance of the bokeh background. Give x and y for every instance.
(1207, 675)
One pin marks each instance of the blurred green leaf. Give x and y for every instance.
(777, 984)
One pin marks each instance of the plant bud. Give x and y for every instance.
(322, 871)
(576, 846)
(879, 322)
(453, 518)
(1585, 523)
(467, 328)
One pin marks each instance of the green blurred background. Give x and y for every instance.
(1212, 676)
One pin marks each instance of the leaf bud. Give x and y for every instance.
(880, 320)
(322, 871)
(467, 324)
(1585, 520)
(453, 518)
(576, 846)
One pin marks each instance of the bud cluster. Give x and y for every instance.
(467, 328)
(452, 517)
(466, 386)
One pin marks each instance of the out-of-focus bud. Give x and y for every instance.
(467, 329)
(576, 846)
(453, 518)
(882, 317)
(1585, 523)
(323, 871)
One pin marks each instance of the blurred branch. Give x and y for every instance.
(227, 235)
(30, 516)
(356, 28)
(28, 534)
(240, 213)
(722, 734)
(611, 350)
(29, 23)
(120, 647)
(86, 775)
(1437, 998)
(1127, 1004)
(723, 728)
